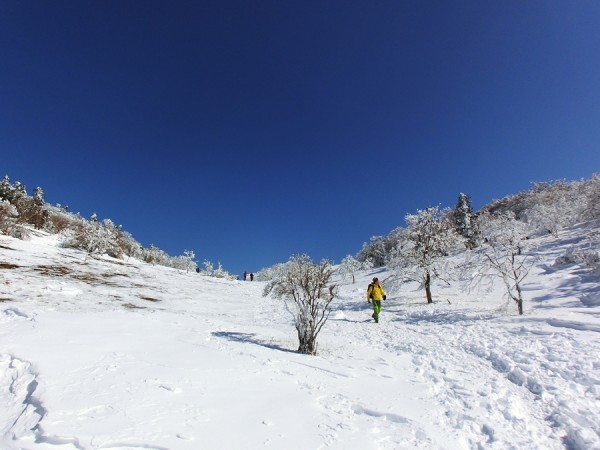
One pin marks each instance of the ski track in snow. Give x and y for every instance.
(157, 359)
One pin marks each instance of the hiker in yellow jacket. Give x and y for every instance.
(375, 294)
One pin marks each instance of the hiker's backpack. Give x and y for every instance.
(370, 289)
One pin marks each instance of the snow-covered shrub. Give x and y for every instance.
(304, 288)
(587, 255)
(60, 220)
(128, 245)
(586, 258)
(93, 237)
(219, 272)
(154, 255)
(183, 262)
(208, 268)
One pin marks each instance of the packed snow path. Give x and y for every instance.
(105, 354)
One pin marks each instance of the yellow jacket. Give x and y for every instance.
(375, 292)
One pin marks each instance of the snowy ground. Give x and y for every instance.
(105, 354)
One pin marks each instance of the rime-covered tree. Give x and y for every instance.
(504, 253)
(8, 218)
(20, 190)
(32, 210)
(553, 206)
(349, 266)
(94, 237)
(428, 239)
(304, 287)
(374, 251)
(6, 189)
(591, 191)
(154, 255)
(270, 273)
(38, 196)
(464, 220)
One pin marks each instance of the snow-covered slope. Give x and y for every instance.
(107, 354)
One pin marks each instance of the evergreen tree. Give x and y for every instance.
(464, 219)
(38, 196)
(5, 189)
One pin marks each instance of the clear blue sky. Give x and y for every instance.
(249, 131)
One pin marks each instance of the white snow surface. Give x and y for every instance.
(98, 353)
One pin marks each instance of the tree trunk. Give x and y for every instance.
(520, 300)
(306, 343)
(428, 288)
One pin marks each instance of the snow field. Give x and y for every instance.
(103, 354)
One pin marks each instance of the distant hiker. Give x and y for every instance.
(197, 269)
(251, 277)
(375, 294)
(245, 274)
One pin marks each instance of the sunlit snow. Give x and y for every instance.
(98, 353)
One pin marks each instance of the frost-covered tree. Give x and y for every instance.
(374, 251)
(92, 236)
(38, 196)
(20, 190)
(464, 220)
(129, 245)
(591, 191)
(219, 272)
(304, 287)
(420, 254)
(504, 253)
(154, 255)
(6, 189)
(8, 218)
(32, 210)
(349, 266)
(552, 206)
(270, 273)
(187, 260)
(208, 267)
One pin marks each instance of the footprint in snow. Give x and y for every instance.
(164, 385)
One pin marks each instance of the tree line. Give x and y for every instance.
(19, 211)
(493, 242)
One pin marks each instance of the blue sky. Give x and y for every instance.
(252, 131)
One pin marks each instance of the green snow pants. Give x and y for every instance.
(376, 309)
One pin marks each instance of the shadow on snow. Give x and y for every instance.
(249, 338)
